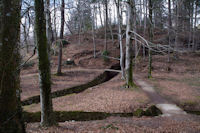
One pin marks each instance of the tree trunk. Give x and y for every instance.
(191, 12)
(59, 71)
(93, 30)
(194, 28)
(169, 27)
(99, 7)
(44, 66)
(135, 43)
(145, 25)
(110, 27)
(179, 24)
(49, 30)
(120, 38)
(10, 108)
(54, 4)
(140, 17)
(25, 37)
(129, 52)
(106, 24)
(150, 37)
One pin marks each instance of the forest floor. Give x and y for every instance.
(178, 82)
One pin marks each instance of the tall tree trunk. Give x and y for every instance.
(169, 27)
(145, 25)
(194, 28)
(54, 4)
(110, 27)
(135, 43)
(140, 17)
(106, 24)
(150, 37)
(120, 38)
(59, 71)
(191, 12)
(93, 30)
(49, 31)
(101, 20)
(179, 23)
(25, 36)
(129, 49)
(44, 66)
(10, 108)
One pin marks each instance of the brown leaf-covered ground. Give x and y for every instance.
(178, 124)
(178, 81)
(110, 97)
(180, 85)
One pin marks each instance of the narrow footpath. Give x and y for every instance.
(167, 108)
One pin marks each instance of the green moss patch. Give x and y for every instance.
(151, 111)
(139, 112)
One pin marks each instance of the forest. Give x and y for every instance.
(99, 66)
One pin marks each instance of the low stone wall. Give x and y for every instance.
(105, 76)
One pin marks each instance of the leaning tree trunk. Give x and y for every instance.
(129, 51)
(59, 71)
(44, 66)
(10, 107)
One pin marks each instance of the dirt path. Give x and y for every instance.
(165, 106)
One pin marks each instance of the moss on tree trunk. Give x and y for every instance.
(44, 66)
(129, 47)
(10, 108)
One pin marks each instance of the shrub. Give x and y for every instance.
(105, 53)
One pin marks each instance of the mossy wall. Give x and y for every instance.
(62, 116)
